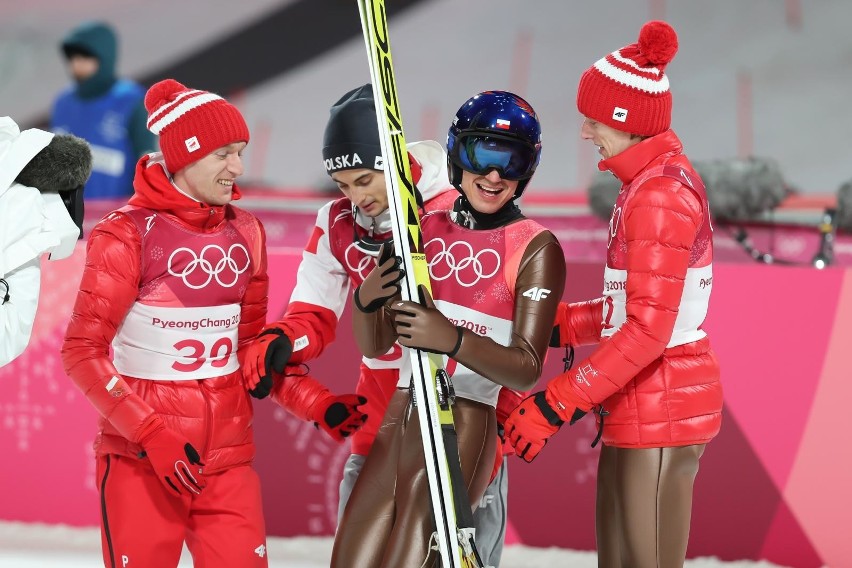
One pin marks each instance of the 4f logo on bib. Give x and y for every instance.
(535, 294)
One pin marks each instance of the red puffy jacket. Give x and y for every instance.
(654, 374)
(215, 414)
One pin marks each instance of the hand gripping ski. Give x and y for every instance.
(450, 504)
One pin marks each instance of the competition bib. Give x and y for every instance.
(690, 315)
(177, 343)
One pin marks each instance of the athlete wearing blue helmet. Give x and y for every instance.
(494, 130)
(496, 282)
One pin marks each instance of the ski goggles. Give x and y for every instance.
(481, 153)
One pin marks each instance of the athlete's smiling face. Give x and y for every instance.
(365, 188)
(610, 142)
(487, 193)
(211, 179)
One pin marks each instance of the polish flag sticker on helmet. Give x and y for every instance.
(502, 124)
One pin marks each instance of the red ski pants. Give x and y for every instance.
(144, 526)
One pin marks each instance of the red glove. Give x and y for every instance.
(539, 417)
(531, 425)
(338, 416)
(173, 458)
(498, 458)
(268, 353)
(507, 401)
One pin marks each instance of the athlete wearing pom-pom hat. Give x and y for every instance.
(653, 381)
(628, 88)
(176, 284)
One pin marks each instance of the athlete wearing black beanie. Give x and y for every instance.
(351, 138)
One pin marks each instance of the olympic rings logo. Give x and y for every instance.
(468, 268)
(357, 261)
(212, 262)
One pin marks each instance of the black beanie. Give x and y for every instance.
(351, 138)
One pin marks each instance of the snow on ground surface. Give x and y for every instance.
(56, 546)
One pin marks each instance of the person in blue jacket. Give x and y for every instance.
(104, 110)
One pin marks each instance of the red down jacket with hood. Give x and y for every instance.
(653, 373)
(215, 414)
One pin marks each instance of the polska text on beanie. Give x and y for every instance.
(351, 138)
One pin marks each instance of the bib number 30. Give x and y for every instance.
(197, 354)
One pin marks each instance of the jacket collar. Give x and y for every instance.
(426, 160)
(154, 190)
(629, 163)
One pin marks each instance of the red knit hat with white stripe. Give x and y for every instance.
(627, 89)
(191, 123)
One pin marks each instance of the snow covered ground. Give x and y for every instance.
(54, 546)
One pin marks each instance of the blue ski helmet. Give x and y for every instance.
(494, 130)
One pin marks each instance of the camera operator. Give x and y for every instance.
(41, 211)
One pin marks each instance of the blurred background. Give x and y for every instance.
(762, 77)
(760, 90)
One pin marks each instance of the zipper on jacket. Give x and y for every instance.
(208, 419)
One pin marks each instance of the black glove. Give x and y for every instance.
(382, 283)
(339, 416)
(270, 351)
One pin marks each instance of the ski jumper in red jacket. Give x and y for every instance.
(653, 381)
(335, 261)
(176, 283)
(340, 252)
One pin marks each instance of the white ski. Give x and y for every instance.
(432, 391)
